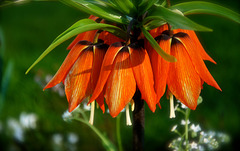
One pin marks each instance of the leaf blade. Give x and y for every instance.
(156, 46)
(63, 37)
(175, 19)
(199, 7)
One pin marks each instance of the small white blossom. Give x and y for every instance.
(16, 129)
(183, 122)
(205, 140)
(28, 120)
(183, 106)
(194, 145)
(195, 128)
(174, 128)
(72, 138)
(66, 115)
(57, 139)
(86, 107)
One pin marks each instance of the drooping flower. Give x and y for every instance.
(79, 73)
(185, 77)
(124, 68)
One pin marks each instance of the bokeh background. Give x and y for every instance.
(31, 119)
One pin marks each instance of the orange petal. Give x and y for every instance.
(77, 82)
(143, 75)
(88, 35)
(109, 38)
(158, 31)
(160, 68)
(67, 64)
(199, 47)
(183, 81)
(99, 52)
(100, 101)
(121, 84)
(106, 69)
(198, 62)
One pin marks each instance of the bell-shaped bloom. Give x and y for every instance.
(79, 73)
(123, 69)
(185, 77)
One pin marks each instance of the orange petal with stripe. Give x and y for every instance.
(199, 48)
(67, 64)
(99, 52)
(197, 61)
(160, 67)
(77, 82)
(183, 81)
(109, 38)
(106, 69)
(143, 74)
(121, 84)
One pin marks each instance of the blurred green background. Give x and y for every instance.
(27, 29)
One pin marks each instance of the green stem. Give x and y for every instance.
(186, 128)
(118, 133)
(107, 144)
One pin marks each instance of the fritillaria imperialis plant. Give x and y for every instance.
(128, 51)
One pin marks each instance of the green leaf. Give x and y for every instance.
(125, 6)
(156, 46)
(98, 8)
(145, 5)
(198, 7)
(175, 19)
(76, 29)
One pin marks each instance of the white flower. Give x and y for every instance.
(183, 122)
(86, 107)
(72, 138)
(205, 140)
(57, 139)
(28, 120)
(194, 145)
(195, 128)
(174, 128)
(16, 128)
(66, 115)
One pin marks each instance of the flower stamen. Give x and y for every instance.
(128, 118)
(92, 113)
(172, 110)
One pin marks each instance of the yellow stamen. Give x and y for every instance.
(128, 118)
(132, 105)
(172, 110)
(92, 113)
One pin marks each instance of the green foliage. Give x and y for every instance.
(199, 7)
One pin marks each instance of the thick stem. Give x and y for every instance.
(138, 122)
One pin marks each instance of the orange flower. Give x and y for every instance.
(122, 69)
(79, 73)
(186, 76)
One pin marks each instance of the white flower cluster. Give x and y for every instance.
(201, 141)
(17, 127)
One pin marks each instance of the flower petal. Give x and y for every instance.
(121, 84)
(67, 64)
(198, 47)
(99, 52)
(160, 67)
(143, 75)
(106, 69)
(77, 82)
(198, 62)
(183, 81)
